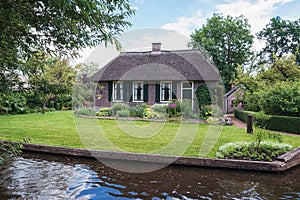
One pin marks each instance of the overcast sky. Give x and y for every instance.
(184, 16)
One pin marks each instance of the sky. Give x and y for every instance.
(174, 20)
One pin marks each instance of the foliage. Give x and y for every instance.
(173, 108)
(203, 95)
(15, 103)
(84, 88)
(274, 122)
(160, 108)
(205, 111)
(268, 151)
(117, 107)
(274, 89)
(8, 149)
(138, 111)
(227, 41)
(281, 37)
(49, 77)
(61, 26)
(186, 108)
(284, 69)
(85, 111)
(104, 112)
(282, 99)
(123, 113)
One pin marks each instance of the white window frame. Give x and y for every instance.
(191, 88)
(122, 88)
(162, 83)
(134, 93)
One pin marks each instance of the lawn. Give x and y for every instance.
(63, 129)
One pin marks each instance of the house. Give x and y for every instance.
(151, 77)
(231, 97)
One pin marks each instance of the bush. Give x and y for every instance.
(118, 107)
(274, 122)
(203, 95)
(138, 111)
(85, 111)
(160, 108)
(123, 113)
(186, 108)
(174, 109)
(267, 151)
(104, 112)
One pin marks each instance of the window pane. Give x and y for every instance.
(138, 92)
(187, 85)
(118, 91)
(166, 91)
(187, 94)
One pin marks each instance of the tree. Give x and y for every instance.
(283, 69)
(84, 89)
(274, 89)
(281, 37)
(49, 77)
(227, 41)
(58, 26)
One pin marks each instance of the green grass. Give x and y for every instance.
(63, 129)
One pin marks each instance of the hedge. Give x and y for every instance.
(275, 122)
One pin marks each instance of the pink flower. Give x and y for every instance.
(172, 105)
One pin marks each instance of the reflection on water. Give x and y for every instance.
(35, 176)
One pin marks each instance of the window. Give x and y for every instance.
(118, 91)
(138, 91)
(187, 90)
(165, 91)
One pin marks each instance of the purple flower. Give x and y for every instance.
(172, 105)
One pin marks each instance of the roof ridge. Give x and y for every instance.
(141, 52)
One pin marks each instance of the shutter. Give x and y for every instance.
(157, 92)
(145, 92)
(129, 89)
(174, 90)
(125, 91)
(110, 90)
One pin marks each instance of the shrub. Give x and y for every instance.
(186, 108)
(104, 112)
(274, 122)
(205, 112)
(174, 109)
(123, 113)
(85, 111)
(267, 151)
(138, 111)
(58, 106)
(160, 108)
(203, 95)
(118, 107)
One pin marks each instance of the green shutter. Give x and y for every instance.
(110, 90)
(145, 90)
(174, 90)
(157, 92)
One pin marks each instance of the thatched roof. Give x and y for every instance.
(156, 66)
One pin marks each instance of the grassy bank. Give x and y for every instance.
(59, 129)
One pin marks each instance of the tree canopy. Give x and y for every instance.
(227, 41)
(61, 26)
(281, 37)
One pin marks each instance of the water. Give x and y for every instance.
(39, 176)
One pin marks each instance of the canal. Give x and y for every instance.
(41, 176)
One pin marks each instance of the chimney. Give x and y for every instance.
(156, 49)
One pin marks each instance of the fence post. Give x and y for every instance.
(250, 120)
